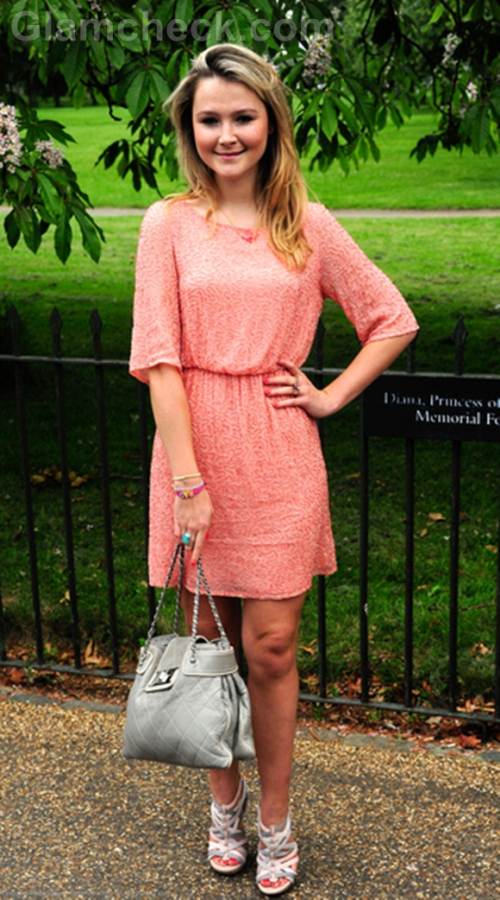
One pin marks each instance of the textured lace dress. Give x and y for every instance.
(226, 311)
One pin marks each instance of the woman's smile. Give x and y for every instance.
(229, 155)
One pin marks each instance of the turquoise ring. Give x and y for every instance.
(186, 537)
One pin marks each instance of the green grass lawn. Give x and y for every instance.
(443, 267)
(448, 179)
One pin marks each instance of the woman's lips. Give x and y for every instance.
(227, 155)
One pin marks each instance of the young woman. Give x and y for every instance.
(231, 276)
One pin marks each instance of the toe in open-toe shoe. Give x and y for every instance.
(277, 859)
(227, 841)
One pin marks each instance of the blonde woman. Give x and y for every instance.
(231, 276)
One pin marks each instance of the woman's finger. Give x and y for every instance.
(289, 365)
(196, 549)
(279, 390)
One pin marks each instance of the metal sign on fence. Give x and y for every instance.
(449, 407)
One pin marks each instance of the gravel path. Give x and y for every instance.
(79, 821)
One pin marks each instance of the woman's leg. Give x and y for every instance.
(223, 782)
(269, 634)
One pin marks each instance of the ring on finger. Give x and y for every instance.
(296, 386)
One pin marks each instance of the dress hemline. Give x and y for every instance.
(280, 596)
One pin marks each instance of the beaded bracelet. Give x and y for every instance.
(186, 493)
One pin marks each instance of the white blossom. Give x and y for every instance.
(10, 140)
(471, 92)
(50, 154)
(450, 45)
(317, 60)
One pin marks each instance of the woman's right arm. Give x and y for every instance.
(173, 419)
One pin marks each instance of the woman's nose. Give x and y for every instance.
(227, 131)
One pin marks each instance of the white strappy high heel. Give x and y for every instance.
(278, 859)
(227, 841)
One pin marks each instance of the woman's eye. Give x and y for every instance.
(208, 121)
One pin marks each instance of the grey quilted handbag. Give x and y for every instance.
(188, 704)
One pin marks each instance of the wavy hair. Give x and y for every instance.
(282, 194)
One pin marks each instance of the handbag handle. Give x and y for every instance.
(200, 576)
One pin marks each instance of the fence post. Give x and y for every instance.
(96, 328)
(15, 323)
(321, 592)
(55, 322)
(410, 543)
(459, 337)
(363, 554)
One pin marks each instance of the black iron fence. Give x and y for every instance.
(456, 408)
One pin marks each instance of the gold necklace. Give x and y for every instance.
(248, 234)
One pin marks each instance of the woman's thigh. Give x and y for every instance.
(229, 609)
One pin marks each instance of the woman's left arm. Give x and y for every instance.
(373, 359)
(382, 318)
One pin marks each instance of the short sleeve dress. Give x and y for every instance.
(225, 311)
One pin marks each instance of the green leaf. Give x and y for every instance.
(73, 66)
(90, 237)
(116, 55)
(328, 117)
(347, 113)
(62, 237)
(396, 116)
(12, 182)
(171, 66)
(50, 196)
(495, 100)
(373, 147)
(28, 223)
(12, 229)
(159, 85)
(436, 15)
(382, 118)
(184, 11)
(480, 128)
(214, 32)
(129, 38)
(363, 148)
(137, 95)
(109, 154)
(55, 130)
(96, 48)
(18, 7)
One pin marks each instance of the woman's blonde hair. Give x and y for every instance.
(281, 190)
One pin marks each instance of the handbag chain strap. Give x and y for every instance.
(200, 576)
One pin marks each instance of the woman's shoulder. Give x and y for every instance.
(317, 218)
(317, 213)
(159, 215)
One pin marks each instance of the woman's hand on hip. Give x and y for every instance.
(193, 515)
(280, 389)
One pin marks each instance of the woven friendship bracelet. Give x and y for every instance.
(186, 493)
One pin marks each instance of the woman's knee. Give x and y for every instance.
(271, 654)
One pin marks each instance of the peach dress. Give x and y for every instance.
(225, 311)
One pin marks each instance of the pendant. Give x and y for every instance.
(249, 236)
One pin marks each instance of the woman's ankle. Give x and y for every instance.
(224, 784)
(274, 812)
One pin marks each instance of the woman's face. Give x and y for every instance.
(229, 117)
